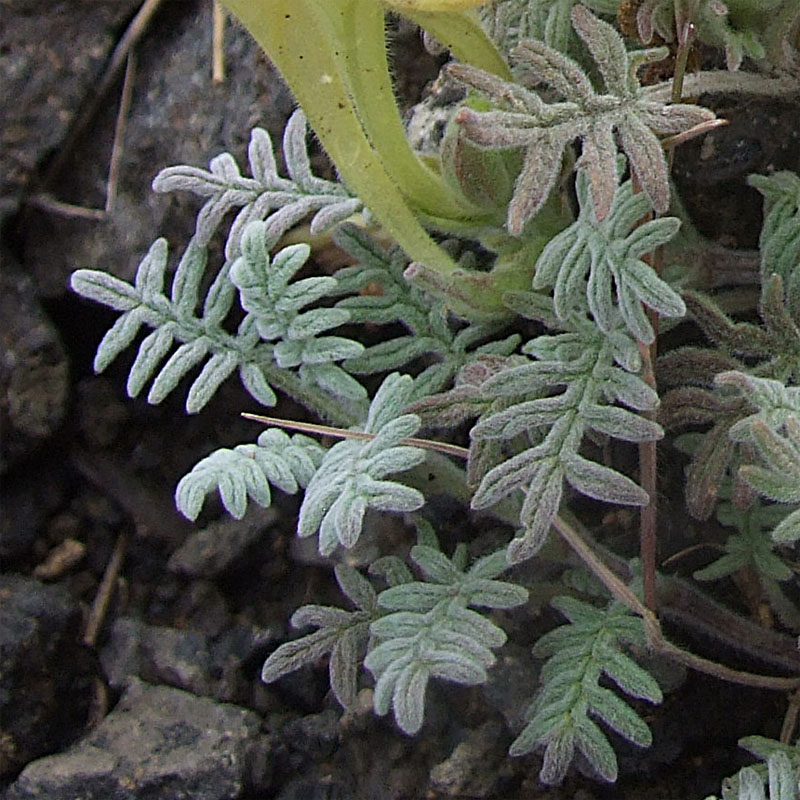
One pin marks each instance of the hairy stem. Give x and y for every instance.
(724, 82)
(655, 636)
(309, 58)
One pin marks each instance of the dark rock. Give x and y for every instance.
(313, 737)
(327, 787)
(33, 367)
(185, 659)
(216, 548)
(474, 768)
(711, 175)
(46, 674)
(51, 54)
(101, 414)
(178, 116)
(237, 655)
(202, 607)
(26, 503)
(158, 655)
(515, 679)
(161, 744)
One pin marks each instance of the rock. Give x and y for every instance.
(159, 743)
(515, 679)
(157, 654)
(327, 787)
(184, 659)
(216, 548)
(33, 367)
(312, 738)
(475, 767)
(178, 116)
(47, 676)
(51, 54)
(309, 746)
(100, 411)
(25, 504)
(202, 607)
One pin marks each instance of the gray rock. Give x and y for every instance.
(178, 116)
(312, 738)
(33, 367)
(213, 550)
(168, 656)
(161, 744)
(184, 659)
(46, 674)
(475, 767)
(51, 54)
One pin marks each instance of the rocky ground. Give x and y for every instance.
(159, 696)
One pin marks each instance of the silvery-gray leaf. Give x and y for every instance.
(591, 644)
(266, 196)
(277, 458)
(119, 336)
(215, 371)
(152, 350)
(433, 632)
(544, 130)
(178, 364)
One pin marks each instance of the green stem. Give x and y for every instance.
(724, 82)
(462, 33)
(290, 33)
(363, 60)
(324, 405)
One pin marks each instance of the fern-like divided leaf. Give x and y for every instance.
(774, 432)
(545, 130)
(274, 313)
(610, 253)
(781, 781)
(712, 24)
(264, 196)
(432, 631)
(546, 20)
(425, 318)
(579, 654)
(175, 321)
(779, 768)
(342, 634)
(247, 470)
(274, 306)
(554, 400)
(774, 350)
(349, 479)
(779, 241)
(750, 546)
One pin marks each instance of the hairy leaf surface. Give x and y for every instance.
(580, 653)
(433, 631)
(350, 477)
(544, 130)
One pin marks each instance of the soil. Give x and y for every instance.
(88, 473)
